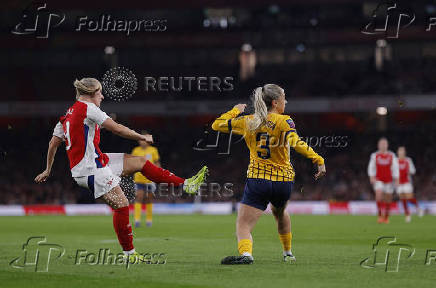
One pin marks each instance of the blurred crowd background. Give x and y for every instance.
(24, 152)
(314, 49)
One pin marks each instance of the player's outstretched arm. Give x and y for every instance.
(302, 148)
(125, 132)
(222, 123)
(53, 145)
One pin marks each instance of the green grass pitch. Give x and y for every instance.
(329, 250)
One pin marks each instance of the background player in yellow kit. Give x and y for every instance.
(144, 187)
(268, 135)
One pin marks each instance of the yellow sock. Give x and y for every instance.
(245, 246)
(137, 213)
(286, 240)
(148, 212)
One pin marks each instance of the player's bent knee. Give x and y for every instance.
(142, 161)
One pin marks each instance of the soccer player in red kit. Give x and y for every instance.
(382, 171)
(405, 188)
(79, 128)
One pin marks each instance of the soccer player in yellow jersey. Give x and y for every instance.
(144, 187)
(268, 134)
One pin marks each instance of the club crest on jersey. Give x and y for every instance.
(69, 111)
(270, 124)
(290, 123)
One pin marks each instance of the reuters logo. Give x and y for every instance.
(119, 84)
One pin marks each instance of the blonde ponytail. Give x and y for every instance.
(260, 110)
(262, 102)
(86, 86)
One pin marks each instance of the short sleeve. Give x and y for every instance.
(96, 115)
(58, 131)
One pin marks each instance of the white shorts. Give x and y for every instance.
(106, 178)
(385, 187)
(405, 188)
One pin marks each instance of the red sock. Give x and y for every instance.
(406, 208)
(123, 228)
(159, 175)
(379, 207)
(387, 209)
(413, 201)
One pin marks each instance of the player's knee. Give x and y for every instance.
(279, 213)
(142, 160)
(123, 203)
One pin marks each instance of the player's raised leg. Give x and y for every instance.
(158, 175)
(284, 230)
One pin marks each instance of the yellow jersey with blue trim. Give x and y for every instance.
(269, 145)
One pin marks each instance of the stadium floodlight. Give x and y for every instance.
(382, 111)
(109, 50)
(381, 43)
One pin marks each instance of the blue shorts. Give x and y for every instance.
(148, 188)
(259, 192)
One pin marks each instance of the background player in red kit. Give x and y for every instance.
(405, 187)
(382, 171)
(99, 172)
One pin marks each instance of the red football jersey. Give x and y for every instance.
(406, 169)
(384, 166)
(80, 129)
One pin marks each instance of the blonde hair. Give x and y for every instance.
(86, 86)
(262, 102)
